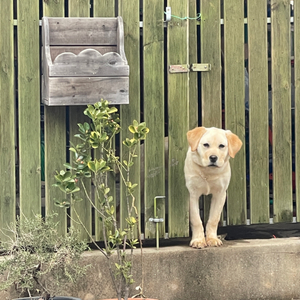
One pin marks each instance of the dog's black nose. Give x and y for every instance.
(213, 158)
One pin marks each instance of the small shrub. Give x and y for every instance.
(37, 260)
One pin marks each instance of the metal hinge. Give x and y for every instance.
(187, 68)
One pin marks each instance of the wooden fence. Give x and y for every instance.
(252, 89)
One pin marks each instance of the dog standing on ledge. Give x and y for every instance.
(207, 171)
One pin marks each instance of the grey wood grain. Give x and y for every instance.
(87, 90)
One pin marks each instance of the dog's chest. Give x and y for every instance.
(212, 184)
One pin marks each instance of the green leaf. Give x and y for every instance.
(92, 166)
(81, 128)
(68, 166)
(134, 185)
(141, 126)
(132, 129)
(112, 110)
(86, 126)
(63, 203)
(112, 210)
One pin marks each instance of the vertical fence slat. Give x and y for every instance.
(55, 138)
(193, 76)
(29, 107)
(258, 111)
(7, 117)
(104, 8)
(178, 122)
(297, 101)
(153, 82)
(211, 92)
(130, 11)
(80, 8)
(281, 111)
(235, 105)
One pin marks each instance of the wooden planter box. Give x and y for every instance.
(84, 61)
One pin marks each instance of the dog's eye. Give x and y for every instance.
(221, 146)
(206, 145)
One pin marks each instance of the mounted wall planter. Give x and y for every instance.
(84, 61)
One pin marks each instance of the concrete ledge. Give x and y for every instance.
(239, 270)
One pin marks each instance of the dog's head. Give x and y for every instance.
(213, 145)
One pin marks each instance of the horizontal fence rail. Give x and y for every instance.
(251, 88)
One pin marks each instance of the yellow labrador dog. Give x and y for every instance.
(207, 171)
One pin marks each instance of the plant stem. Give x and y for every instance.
(90, 200)
(90, 236)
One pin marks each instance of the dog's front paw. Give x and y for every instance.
(198, 243)
(213, 242)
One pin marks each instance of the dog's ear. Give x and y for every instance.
(234, 143)
(194, 136)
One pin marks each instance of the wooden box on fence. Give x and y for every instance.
(84, 61)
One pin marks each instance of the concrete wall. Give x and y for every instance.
(244, 269)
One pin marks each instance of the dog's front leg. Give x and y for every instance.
(216, 207)
(198, 238)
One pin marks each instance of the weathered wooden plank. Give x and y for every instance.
(130, 12)
(55, 157)
(153, 47)
(258, 111)
(89, 62)
(56, 50)
(193, 76)
(105, 8)
(87, 90)
(281, 111)
(80, 8)
(211, 93)
(29, 107)
(178, 122)
(235, 105)
(102, 31)
(7, 118)
(297, 102)
(55, 138)
(54, 8)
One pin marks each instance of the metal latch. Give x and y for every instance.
(179, 68)
(186, 68)
(200, 67)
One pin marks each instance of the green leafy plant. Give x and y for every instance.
(37, 259)
(98, 136)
